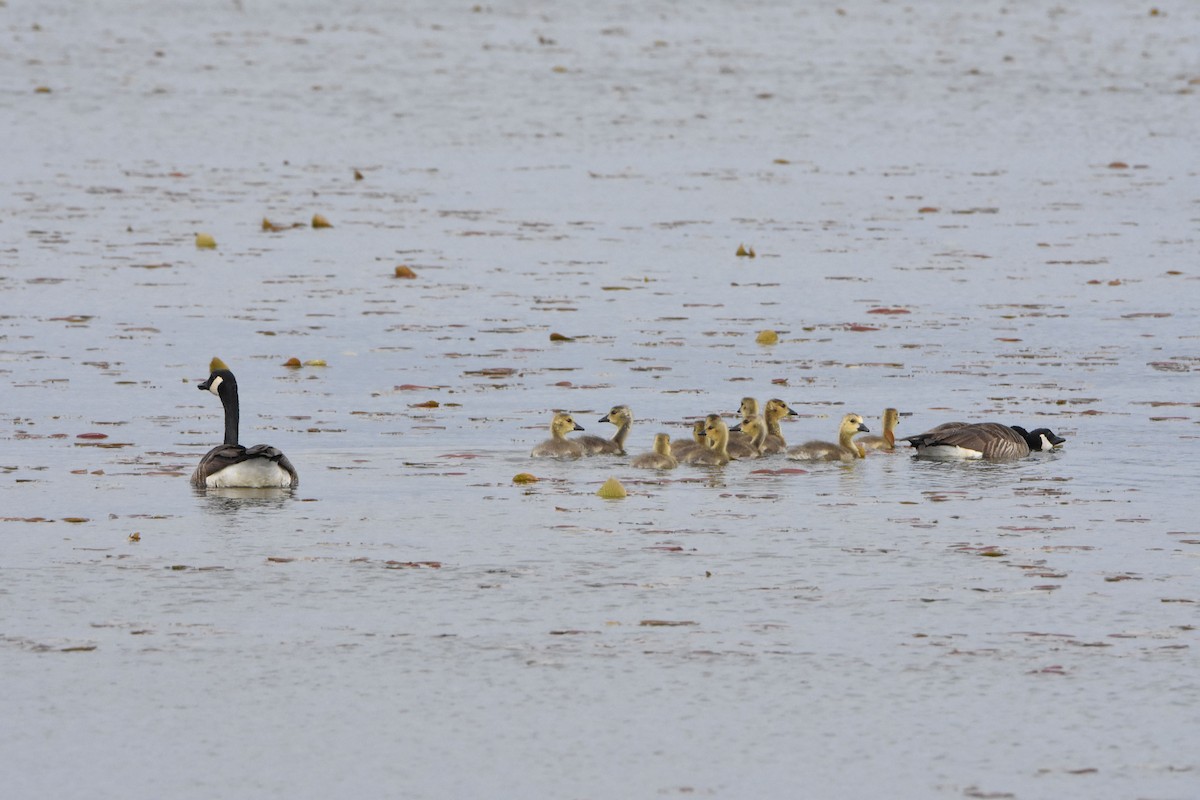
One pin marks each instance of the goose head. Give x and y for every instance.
(717, 432)
(777, 410)
(755, 428)
(221, 383)
(618, 415)
(852, 424)
(1040, 438)
(562, 424)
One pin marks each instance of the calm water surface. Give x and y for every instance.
(1017, 187)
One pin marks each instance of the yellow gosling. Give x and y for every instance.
(717, 454)
(660, 458)
(620, 416)
(775, 411)
(558, 445)
(755, 430)
(699, 441)
(747, 410)
(886, 441)
(844, 450)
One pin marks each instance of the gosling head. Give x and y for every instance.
(715, 429)
(662, 444)
(618, 415)
(777, 409)
(748, 408)
(753, 427)
(562, 424)
(853, 423)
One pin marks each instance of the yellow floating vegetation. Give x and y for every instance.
(315, 362)
(319, 221)
(216, 364)
(357, 175)
(405, 271)
(612, 490)
(135, 537)
(205, 241)
(747, 252)
(42, 90)
(525, 477)
(767, 337)
(267, 225)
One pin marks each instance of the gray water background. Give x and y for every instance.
(888, 628)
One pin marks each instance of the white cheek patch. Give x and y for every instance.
(215, 385)
(1047, 444)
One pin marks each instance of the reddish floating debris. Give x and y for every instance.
(92, 436)
(882, 310)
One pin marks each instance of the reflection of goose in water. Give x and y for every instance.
(558, 445)
(230, 464)
(844, 450)
(660, 458)
(620, 416)
(886, 441)
(991, 440)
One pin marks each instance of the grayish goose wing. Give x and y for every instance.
(226, 455)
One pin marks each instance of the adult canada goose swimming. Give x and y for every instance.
(558, 445)
(755, 431)
(775, 411)
(699, 441)
(230, 465)
(661, 458)
(844, 450)
(620, 416)
(717, 453)
(991, 440)
(887, 441)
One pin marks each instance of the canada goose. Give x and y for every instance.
(558, 445)
(844, 450)
(776, 410)
(755, 431)
(230, 464)
(982, 440)
(620, 416)
(747, 410)
(891, 418)
(717, 454)
(661, 458)
(681, 449)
